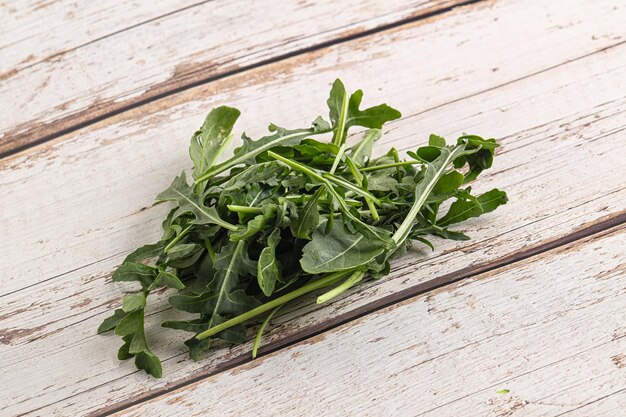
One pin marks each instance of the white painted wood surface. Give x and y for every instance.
(170, 51)
(552, 331)
(560, 117)
(41, 30)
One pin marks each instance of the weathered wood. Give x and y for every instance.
(164, 54)
(556, 181)
(137, 151)
(559, 127)
(551, 331)
(39, 31)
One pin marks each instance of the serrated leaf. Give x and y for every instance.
(345, 113)
(189, 202)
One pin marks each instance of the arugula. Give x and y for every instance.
(288, 214)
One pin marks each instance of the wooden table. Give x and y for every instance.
(528, 318)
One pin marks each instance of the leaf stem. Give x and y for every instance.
(358, 177)
(259, 334)
(354, 279)
(217, 169)
(338, 137)
(340, 153)
(297, 166)
(405, 227)
(244, 209)
(312, 286)
(177, 239)
(392, 165)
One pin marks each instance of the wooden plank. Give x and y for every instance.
(170, 53)
(544, 120)
(42, 30)
(548, 330)
(59, 326)
(151, 142)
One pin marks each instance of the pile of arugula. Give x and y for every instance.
(288, 214)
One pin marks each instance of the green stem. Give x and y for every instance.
(218, 169)
(405, 227)
(340, 153)
(244, 209)
(348, 185)
(297, 166)
(312, 286)
(393, 165)
(358, 177)
(209, 249)
(354, 279)
(338, 136)
(257, 339)
(329, 186)
(177, 239)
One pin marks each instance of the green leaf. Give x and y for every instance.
(250, 149)
(467, 206)
(111, 322)
(208, 142)
(480, 159)
(338, 251)
(308, 218)
(194, 326)
(167, 279)
(437, 141)
(130, 324)
(145, 252)
(123, 353)
(133, 302)
(198, 303)
(431, 176)
(183, 250)
(345, 113)
(268, 269)
(131, 271)
(189, 202)
(255, 225)
(362, 151)
(230, 264)
(149, 362)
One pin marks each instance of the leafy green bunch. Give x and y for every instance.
(289, 214)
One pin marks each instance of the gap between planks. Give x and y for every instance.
(583, 234)
(394, 128)
(41, 133)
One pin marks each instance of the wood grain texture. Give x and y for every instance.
(560, 119)
(549, 331)
(540, 167)
(36, 32)
(169, 53)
